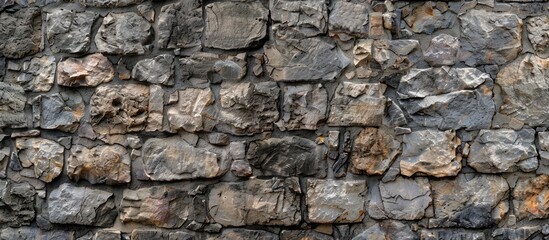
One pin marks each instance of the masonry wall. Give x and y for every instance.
(280, 119)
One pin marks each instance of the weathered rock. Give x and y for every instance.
(426, 18)
(194, 110)
(450, 234)
(180, 25)
(335, 201)
(235, 25)
(349, 18)
(168, 159)
(12, 105)
(42, 157)
(307, 18)
(123, 33)
(68, 204)
(155, 118)
(108, 164)
(470, 201)
(147, 234)
(256, 202)
(442, 50)
(357, 104)
(69, 31)
(241, 168)
(38, 74)
(109, 3)
(33, 233)
(106, 234)
(303, 60)
(387, 230)
(61, 111)
(523, 83)
(530, 197)
(502, 150)
(244, 234)
(88, 71)
(448, 98)
(303, 234)
(248, 108)
(157, 70)
(164, 207)
(203, 66)
(538, 33)
(20, 32)
(304, 106)
(288, 156)
(489, 37)
(5, 153)
(220, 139)
(396, 54)
(16, 204)
(117, 109)
(406, 198)
(520, 233)
(374, 151)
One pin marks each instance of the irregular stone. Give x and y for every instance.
(220, 139)
(538, 33)
(68, 204)
(108, 164)
(247, 108)
(16, 204)
(288, 156)
(520, 233)
(307, 18)
(61, 111)
(107, 234)
(304, 60)
(117, 109)
(235, 25)
(43, 157)
(157, 70)
(396, 54)
(374, 150)
(12, 105)
(38, 74)
(501, 150)
(489, 37)
(244, 234)
(2, 68)
(180, 25)
(530, 197)
(241, 168)
(376, 30)
(256, 202)
(357, 104)
(5, 153)
(387, 230)
(109, 3)
(20, 32)
(168, 159)
(470, 201)
(88, 71)
(123, 33)
(448, 98)
(213, 67)
(303, 234)
(33, 233)
(335, 201)
(303, 106)
(194, 110)
(442, 50)
(349, 18)
(523, 83)
(450, 234)
(426, 18)
(155, 118)
(406, 198)
(69, 31)
(147, 234)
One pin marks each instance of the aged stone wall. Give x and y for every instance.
(274, 119)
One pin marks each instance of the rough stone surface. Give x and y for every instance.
(91, 70)
(213, 67)
(406, 199)
(374, 151)
(180, 25)
(61, 111)
(69, 31)
(12, 105)
(16, 203)
(244, 234)
(235, 25)
(357, 104)
(426, 18)
(300, 18)
(335, 201)
(42, 157)
(109, 3)
(157, 70)
(20, 33)
(349, 18)
(303, 234)
(303, 107)
(442, 50)
(123, 33)
(530, 197)
(450, 234)
(387, 230)
(68, 204)
(194, 110)
(538, 28)
(38, 74)
(108, 164)
(32, 233)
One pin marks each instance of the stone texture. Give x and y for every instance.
(123, 33)
(109, 3)
(502, 150)
(288, 156)
(538, 33)
(194, 110)
(256, 202)
(396, 54)
(61, 111)
(406, 198)
(470, 201)
(349, 18)
(304, 106)
(16, 203)
(88, 71)
(374, 150)
(168, 159)
(108, 164)
(525, 232)
(442, 50)
(299, 18)
(38, 74)
(426, 18)
(180, 25)
(387, 230)
(69, 31)
(441, 234)
(42, 157)
(68, 204)
(303, 234)
(33, 233)
(448, 98)
(157, 70)
(20, 32)
(489, 37)
(12, 105)
(245, 234)
(523, 83)
(357, 104)
(247, 108)
(303, 60)
(530, 197)
(213, 67)
(235, 25)
(146, 234)
(335, 201)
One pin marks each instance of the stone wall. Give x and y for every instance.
(280, 119)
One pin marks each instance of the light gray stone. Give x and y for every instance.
(450, 234)
(442, 50)
(335, 201)
(16, 204)
(357, 104)
(244, 234)
(157, 70)
(43, 158)
(304, 234)
(396, 54)
(69, 31)
(108, 164)
(109, 3)
(123, 33)
(33, 233)
(349, 18)
(107, 234)
(525, 232)
(88, 71)
(304, 106)
(38, 74)
(426, 18)
(299, 18)
(20, 32)
(180, 25)
(194, 110)
(387, 230)
(12, 105)
(61, 111)
(212, 67)
(406, 198)
(538, 33)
